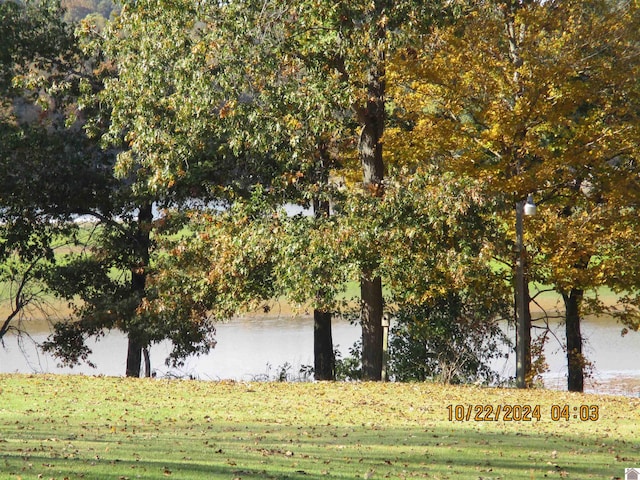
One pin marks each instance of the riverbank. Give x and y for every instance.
(266, 346)
(550, 302)
(108, 428)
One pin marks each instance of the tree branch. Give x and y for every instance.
(20, 303)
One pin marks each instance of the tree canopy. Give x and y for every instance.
(411, 130)
(542, 98)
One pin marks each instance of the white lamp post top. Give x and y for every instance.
(530, 207)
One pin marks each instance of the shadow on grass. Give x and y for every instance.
(259, 451)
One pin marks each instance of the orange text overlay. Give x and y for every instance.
(522, 413)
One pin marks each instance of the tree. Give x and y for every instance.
(268, 86)
(98, 11)
(538, 97)
(236, 109)
(344, 65)
(371, 116)
(351, 43)
(178, 110)
(252, 93)
(48, 169)
(287, 119)
(429, 230)
(56, 170)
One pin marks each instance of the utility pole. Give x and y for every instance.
(523, 319)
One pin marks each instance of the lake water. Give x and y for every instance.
(255, 347)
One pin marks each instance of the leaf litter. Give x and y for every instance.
(72, 426)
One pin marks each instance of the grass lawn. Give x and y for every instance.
(71, 427)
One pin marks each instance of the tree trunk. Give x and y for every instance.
(134, 356)
(147, 362)
(324, 359)
(324, 365)
(575, 360)
(141, 248)
(371, 319)
(372, 118)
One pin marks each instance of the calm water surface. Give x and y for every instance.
(255, 347)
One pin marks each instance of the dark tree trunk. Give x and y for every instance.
(371, 319)
(324, 360)
(372, 119)
(324, 365)
(134, 356)
(141, 248)
(575, 360)
(147, 362)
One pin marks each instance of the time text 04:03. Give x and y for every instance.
(521, 413)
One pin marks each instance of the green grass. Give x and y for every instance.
(114, 428)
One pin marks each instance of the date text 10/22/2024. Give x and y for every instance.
(521, 413)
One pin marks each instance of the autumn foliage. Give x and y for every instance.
(410, 129)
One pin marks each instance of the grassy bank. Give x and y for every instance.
(113, 428)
